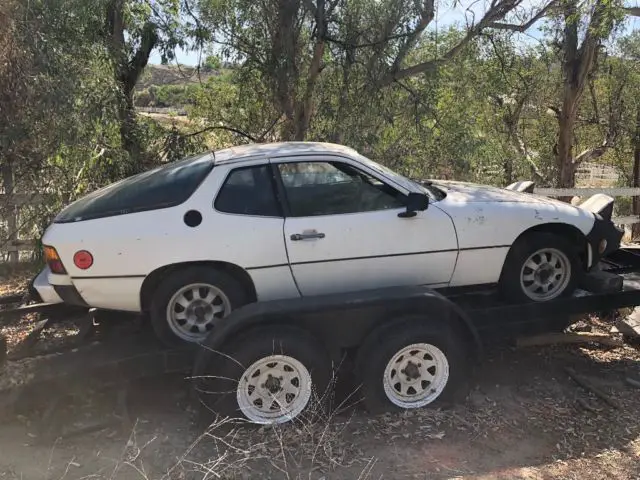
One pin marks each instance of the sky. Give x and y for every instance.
(445, 17)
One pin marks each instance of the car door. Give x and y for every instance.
(247, 230)
(343, 233)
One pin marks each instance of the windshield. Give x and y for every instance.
(433, 192)
(162, 187)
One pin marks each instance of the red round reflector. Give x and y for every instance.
(83, 259)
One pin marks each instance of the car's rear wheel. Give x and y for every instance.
(189, 303)
(540, 267)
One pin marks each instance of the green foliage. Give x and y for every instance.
(488, 114)
(211, 63)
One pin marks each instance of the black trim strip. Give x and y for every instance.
(484, 248)
(99, 277)
(268, 266)
(279, 265)
(398, 255)
(373, 256)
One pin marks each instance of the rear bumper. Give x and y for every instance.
(45, 290)
(50, 293)
(109, 293)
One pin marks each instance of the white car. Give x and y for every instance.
(190, 241)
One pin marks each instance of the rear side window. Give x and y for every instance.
(249, 191)
(162, 187)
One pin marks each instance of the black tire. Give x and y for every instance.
(216, 374)
(230, 286)
(381, 346)
(522, 249)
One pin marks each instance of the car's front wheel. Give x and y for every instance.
(187, 304)
(540, 267)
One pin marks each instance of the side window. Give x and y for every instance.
(248, 191)
(332, 188)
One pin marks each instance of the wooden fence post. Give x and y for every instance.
(12, 221)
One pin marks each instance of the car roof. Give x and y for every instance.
(280, 149)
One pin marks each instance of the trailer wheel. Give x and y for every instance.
(418, 365)
(270, 376)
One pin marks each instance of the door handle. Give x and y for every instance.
(306, 235)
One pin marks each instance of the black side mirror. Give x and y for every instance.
(416, 202)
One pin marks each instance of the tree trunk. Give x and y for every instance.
(128, 71)
(578, 63)
(564, 150)
(635, 229)
(282, 64)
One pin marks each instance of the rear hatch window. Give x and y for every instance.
(163, 187)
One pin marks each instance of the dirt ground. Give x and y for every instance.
(524, 418)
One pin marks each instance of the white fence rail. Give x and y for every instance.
(587, 192)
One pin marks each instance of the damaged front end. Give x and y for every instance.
(605, 236)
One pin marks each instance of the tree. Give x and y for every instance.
(292, 42)
(629, 52)
(211, 63)
(581, 30)
(133, 29)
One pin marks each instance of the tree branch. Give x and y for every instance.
(366, 44)
(514, 27)
(222, 127)
(312, 8)
(140, 59)
(615, 110)
(426, 16)
(594, 101)
(497, 11)
(633, 11)
(264, 134)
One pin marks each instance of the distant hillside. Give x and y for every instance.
(172, 87)
(161, 75)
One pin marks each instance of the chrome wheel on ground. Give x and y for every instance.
(416, 375)
(274, 389)
(545, 274)
(194, 308)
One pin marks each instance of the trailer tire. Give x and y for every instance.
(439, 367)
(254, 364)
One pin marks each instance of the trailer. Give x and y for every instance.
(410, 347)
(271, 362)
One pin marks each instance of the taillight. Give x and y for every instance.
(53, 260)
(83, 259)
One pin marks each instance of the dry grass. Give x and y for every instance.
(524, 419)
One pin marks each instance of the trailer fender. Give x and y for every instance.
(345, 320)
